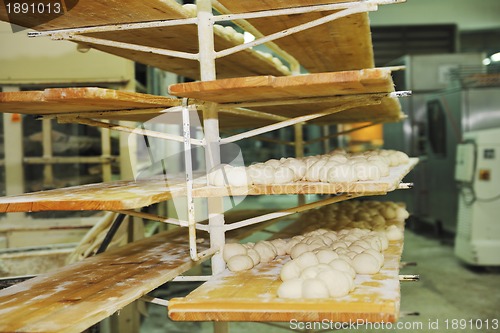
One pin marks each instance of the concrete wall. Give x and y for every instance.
(467, 14)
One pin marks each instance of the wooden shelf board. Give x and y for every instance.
(95, 13)
(82, 294)
(184, 38)
(122, 195)
(270, 88)
(343, 44)
(384, 185)
(111, 104)
(280, 90)
(77, 100)
(252, 296)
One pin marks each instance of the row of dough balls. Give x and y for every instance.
(237, 38)
(324, 263)
(381, 216)
(346, 244)
(338, 166)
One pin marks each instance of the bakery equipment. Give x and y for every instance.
(477, 172)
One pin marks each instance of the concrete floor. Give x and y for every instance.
(446, 293)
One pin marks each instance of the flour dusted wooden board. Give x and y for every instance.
(76, 100)
(265, 88)
(136, 194)
(252, 296)
(82, 294)
(342, 44)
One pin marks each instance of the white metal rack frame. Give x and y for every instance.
(206, 56)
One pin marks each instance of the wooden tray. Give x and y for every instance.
(252, 296)
(317, 92)
(122, 195)
(58, 101)
(82, 294)
(180, 38)
(343, 44)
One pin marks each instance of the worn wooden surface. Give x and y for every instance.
(252, 296)
(343, 44)
(319, 89)
(266, 88)
(77, 100)
(179, 38)
(93, 13)
(82, 294)
(122, 195)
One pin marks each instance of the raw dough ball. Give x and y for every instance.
(382, 167)
(338, 282)
(262, 174)
(233, 249)
(265, 250)
(273, 163)
(379, 256)
(314, 288)
(339, 244)
(240, 262)
(365, 263)
(342, 173)
(280, 246)
(252, 253)
(326, 256)
(383, 240)
(254, 173)
(237, 176)
(393, 233)
(283, 175)
(190, 9)
(290, 289)
(313, 173)
(343, 265)
(297, 166)
(312, 271)
(402, 214)
(290, 244)
(356, 248)
(218, 174)
(298, 249)
(289, 271)
(389, 213)
(306, 259)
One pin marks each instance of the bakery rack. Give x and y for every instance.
(252, 93)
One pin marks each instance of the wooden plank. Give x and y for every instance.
(120, 105)
(179, 38)
(343, 44)
(253, 90)
(76, 100)
(124, 195)
(82, 294)
(266, 88)
(252, 296)
(94, 13)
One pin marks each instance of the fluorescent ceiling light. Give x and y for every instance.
(486, 61)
